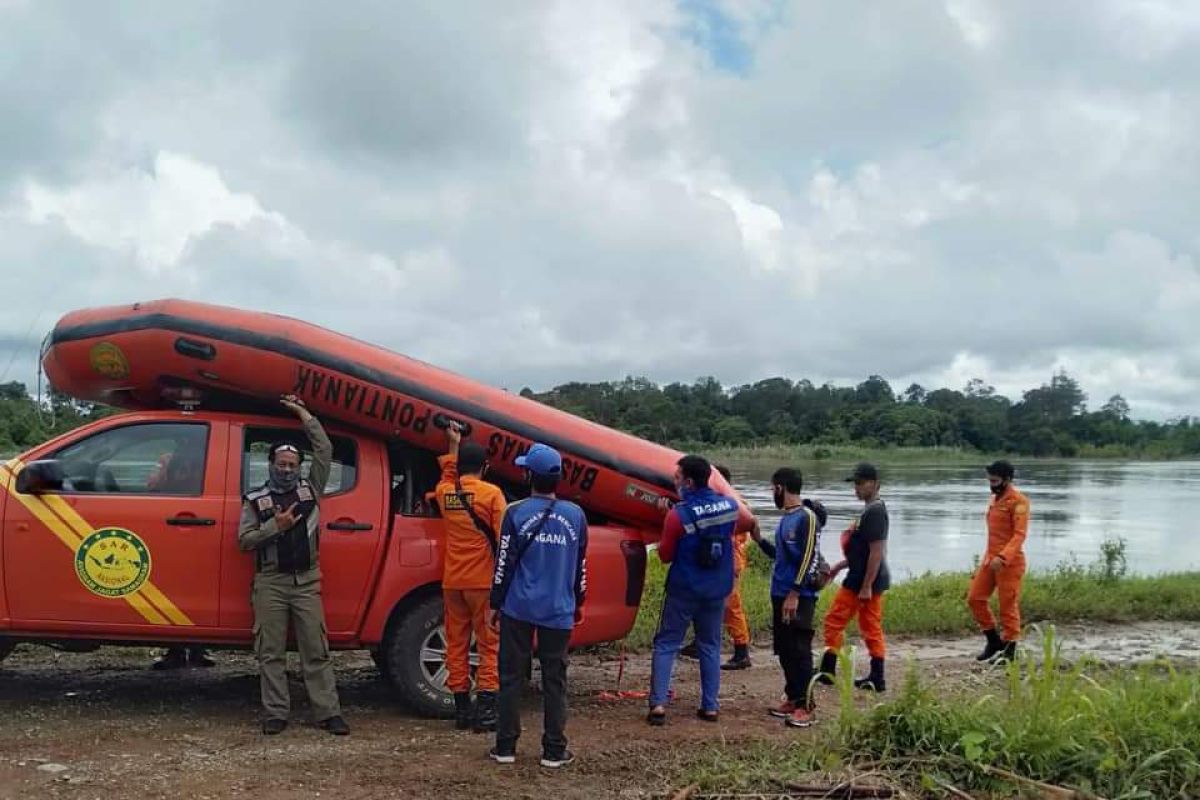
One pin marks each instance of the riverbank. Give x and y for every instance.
(770, 456)
(933, 604)
(76, 725)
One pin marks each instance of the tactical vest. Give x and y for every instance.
(294, 551)
(703, 564)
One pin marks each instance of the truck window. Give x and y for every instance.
(145, 458)
(343, 472)
(415, 474)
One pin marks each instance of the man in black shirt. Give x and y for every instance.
(864, 545)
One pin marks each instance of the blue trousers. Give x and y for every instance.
(677, 614)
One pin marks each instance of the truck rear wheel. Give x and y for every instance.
(414, 659)
(6, 647)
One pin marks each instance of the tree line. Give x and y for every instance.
(25, 421)
(1050, 420)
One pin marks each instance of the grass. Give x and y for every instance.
(1118, 733)
(934, 605)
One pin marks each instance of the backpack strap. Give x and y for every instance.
(533, 534)
(488, 531)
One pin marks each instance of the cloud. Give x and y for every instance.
(736, 188)
(153, 215)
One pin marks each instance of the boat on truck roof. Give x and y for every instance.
(155, 354)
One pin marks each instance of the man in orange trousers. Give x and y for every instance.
(472, 510)
(864, 545)
(1003, 567)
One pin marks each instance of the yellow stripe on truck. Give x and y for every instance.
(152, 592)
(64, 522)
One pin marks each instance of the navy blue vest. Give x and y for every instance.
(703, 564)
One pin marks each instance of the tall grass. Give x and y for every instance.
(1122, 733)
(1132, 733)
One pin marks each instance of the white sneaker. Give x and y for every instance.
(557, 762)
(504, 758)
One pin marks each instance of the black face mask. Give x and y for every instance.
(280, 481)
(999, 488)
(778, 497)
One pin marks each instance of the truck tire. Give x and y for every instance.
(415, 659)
(6, 647)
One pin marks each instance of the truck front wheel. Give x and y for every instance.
(6, 647)
(414, 659)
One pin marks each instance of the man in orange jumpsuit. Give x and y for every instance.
(735, 620)
(1003, 565)
(471, 510)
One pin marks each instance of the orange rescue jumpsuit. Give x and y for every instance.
(467, 578)
(1008, 524)
(735, 615)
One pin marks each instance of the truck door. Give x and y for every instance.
(132, 540)
(353, 524)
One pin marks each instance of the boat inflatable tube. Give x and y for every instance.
(167, 352)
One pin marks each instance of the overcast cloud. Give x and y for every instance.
(537, 192)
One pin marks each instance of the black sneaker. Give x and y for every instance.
(503, 756)
(335, 725)
(563, 759)
(274, 727)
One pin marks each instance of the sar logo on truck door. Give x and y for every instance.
(112, 562)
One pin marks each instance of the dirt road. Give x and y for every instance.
(104, 725)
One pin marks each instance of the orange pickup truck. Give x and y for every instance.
(124, 531)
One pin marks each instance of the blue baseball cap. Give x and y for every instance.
(541, 460)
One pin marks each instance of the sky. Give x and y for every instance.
(537, 192)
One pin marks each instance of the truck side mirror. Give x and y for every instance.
(40, 476)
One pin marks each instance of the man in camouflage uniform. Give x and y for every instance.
(281, 524)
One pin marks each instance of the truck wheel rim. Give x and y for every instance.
(433, 658)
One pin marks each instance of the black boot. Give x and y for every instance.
(485, 712)
(462, 710)
(174, 658)
(198, 657)
(874, 681)
(690, 650)
(994, 645)
(741, 658)
(828, 669)
(1007, 653)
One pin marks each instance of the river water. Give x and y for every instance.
(937, 512)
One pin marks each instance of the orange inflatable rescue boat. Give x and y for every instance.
(168, 352)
